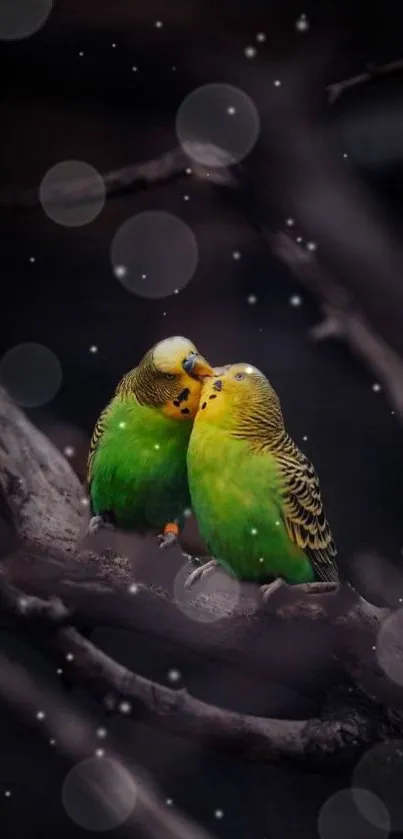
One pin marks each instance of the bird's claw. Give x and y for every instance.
(200, 572)
(268, 591)
(167, 540)
(97, 523)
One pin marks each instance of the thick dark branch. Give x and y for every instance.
(119, 690)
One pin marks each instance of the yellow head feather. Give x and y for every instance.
(240, 399)
(161, 380)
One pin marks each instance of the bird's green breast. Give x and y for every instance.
(237, 500)
(139, 470)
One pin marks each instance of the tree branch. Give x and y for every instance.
(96, 589)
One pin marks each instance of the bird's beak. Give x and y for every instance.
(197, 366)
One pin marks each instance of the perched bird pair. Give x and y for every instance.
(178, 435)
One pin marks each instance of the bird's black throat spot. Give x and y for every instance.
(217, 385)
(176, 403)
(213, 396)
(185, 411)
(183, 396)
(204, 406)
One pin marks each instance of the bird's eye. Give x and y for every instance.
(170, 376)
(239, 376)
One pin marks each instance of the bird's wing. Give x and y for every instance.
(303, 512)
(96, 437)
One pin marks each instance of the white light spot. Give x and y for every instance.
(389, 645)
(218, 581)
(134, 69)
(59, 671)
(376, 387)
(155, 272)
(125, 707)
(120, 271)
(72, 193)
(32, 259)
(101, 732)
(218, 814)
(236, 255)
(186, 198)
(93, 349)
(156, 445)
(295, 300)
(302, 24)
(252, 299)
(122, 424)
(249, 370)
(277, 83)
(174, 675)
(305, 438)
(85, 502)
(188, 171)
(260, 37)
(231, 110)
(299, 239)
(52, 742)
(40, 715)
(7, 793)
(187, 512)
(113, 46)
(250, 52)
(81, 53)
(69, 657)
(253, 531)
(69, 451)
(311, 246)
(345, 154)
(261, 559)
(133, 588)
(158, 24)
(99, 795)
(176, 291)
(169, 802)
(174, 68)
(277, 524)
(290, 222)
(99, 753)
(31, 373)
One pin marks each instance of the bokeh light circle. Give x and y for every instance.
(31, 373)
(389, 646)
(217, 589)
(154, 254)
(380, 771)
(22, 18)
(99, 794)
(220, 115)
(340, 816)
(72, 193)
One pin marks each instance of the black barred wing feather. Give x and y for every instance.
(96, 437)
(303, 512)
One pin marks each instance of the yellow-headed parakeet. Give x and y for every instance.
(137, 473)
(254, 494)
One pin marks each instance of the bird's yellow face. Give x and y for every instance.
(178, 371)
(235, 393)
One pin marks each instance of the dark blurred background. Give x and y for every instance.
(70, 92)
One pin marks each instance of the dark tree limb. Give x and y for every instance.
(301, 634)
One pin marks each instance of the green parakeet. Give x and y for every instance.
(254, 494)
(137, 474)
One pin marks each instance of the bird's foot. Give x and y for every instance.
(316, 588)
(97, 523)
(200, 572)
(170, 536)
(268, 591)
